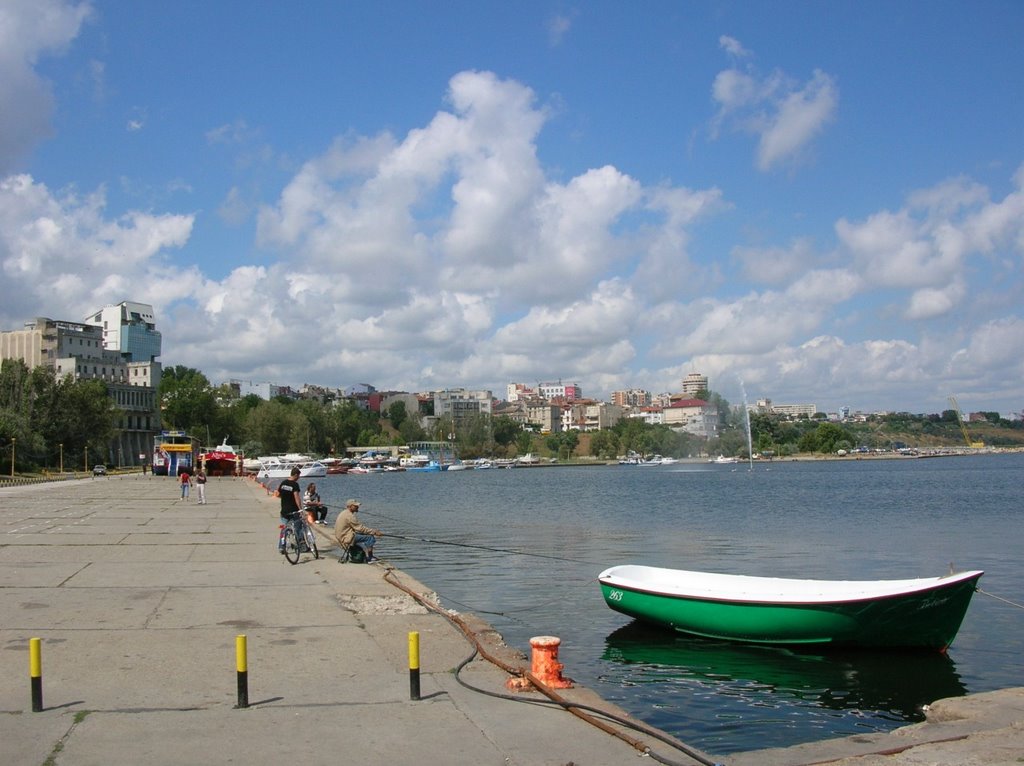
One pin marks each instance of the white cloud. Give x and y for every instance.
(797, 119)
(785, 115)
(928, 245)
(930, 302)
(776, 265)
(732, 46)
(90, 259)
(30, 29)
(558, 27)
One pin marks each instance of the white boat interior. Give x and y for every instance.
(726, 587)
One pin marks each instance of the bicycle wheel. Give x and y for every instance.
(310, 541)
(291, 545)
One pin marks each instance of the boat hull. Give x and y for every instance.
(309, 470)
(924, 618)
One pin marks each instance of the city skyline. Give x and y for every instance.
(805, 202)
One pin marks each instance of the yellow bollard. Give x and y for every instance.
(414, 665)
(242, 670)
(35, 668)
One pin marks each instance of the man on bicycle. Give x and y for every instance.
(291, 500)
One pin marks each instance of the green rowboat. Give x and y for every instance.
(923, 613)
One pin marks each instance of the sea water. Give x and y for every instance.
(522, 548)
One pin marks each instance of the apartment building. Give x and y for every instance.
(118, 345)
(461, 404)
(566, 392)
(694, 416)
(634, 397)
(590, 415)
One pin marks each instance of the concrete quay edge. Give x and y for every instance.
(138, 596)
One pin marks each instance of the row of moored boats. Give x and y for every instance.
(280, 466)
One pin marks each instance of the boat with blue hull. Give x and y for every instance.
(922, 613)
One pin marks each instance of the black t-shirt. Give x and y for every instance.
(290, 493)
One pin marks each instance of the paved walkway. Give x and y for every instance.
(138, 598)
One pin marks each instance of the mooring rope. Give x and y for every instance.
(1000, 598)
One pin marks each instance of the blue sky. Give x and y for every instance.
(814, 202)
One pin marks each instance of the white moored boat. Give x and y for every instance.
(920, 613)
(280, 468)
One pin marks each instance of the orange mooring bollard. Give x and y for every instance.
(544, 664)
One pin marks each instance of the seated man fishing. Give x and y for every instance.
(350, 531)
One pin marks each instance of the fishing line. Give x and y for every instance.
(508, 613)
(479, 547)
(490, 548)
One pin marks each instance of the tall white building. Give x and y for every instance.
(567, 391)
(695, 382)
(130, 329)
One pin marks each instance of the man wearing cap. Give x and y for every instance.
(350, 532)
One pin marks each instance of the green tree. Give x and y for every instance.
(397, 414)
(40, 412)
(808, 442)
(570, 441)
(604, 443)
(270, 425)
(634, 435)
(411, 431)
(524, 442)
(345, 422)
(187, 400)
(94, 417)
(504, 430)
(829, 435)
(15, 412)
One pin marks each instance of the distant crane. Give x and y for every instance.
(963, 427)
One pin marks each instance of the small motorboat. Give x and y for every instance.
(922, 613)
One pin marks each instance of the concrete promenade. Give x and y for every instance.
(138, 598)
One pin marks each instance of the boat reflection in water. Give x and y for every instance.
(786, 683)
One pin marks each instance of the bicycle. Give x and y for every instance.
(298, 538)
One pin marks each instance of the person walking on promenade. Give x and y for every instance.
(186, 484)
(201, 486)
(291, 501)
(349, 531)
